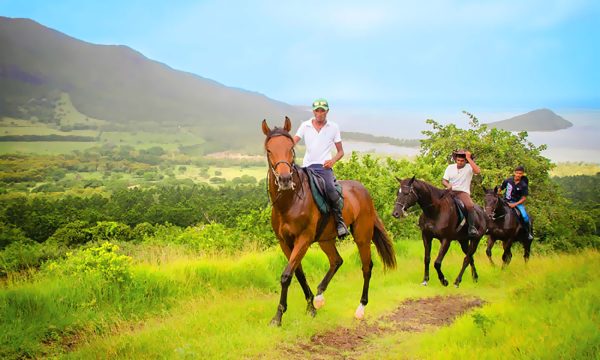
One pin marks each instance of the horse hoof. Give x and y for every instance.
(424, 283)
(360, 312)
(444, 282)
(311, 311)
(456, 285)
(319, 301)
(275, 322)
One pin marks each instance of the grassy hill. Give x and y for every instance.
(536, 120)
(39, 66)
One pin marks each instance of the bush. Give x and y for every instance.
(74, 233)
(111, 230)
(212, 237)
(10, 234)
(23, 255)
(142, 231)
(102, 261)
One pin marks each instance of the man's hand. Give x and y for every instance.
(449, 187)
(512, 205)
(468, 154)
(328, 164)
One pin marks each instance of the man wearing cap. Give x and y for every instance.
(457, 178)
(517, 190)
(320, 136)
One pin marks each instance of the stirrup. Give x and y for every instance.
(342, 230)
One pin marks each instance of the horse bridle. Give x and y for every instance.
(411, 190)
(499, 202)
(291, 166)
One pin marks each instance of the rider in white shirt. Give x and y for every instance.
(320, 137)
(457, 178)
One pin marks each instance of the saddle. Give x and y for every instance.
(317, 188)
(461, 210)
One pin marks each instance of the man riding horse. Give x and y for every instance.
(320, 136)
(517, 190)
(457, 178)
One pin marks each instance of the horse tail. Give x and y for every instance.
(384, 245)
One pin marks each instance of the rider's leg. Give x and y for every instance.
(466, 199)
(526, 221)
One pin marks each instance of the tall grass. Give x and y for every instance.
(218, 306)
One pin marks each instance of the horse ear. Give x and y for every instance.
(412, 180)
(496, 190)
(484, 188)
(265, 127)
(287, 125)
(399, 180)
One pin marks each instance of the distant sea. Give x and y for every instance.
(581, 142)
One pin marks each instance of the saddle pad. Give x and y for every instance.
(317, 187)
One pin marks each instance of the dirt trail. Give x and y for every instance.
(413, 315)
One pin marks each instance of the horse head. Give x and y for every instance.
(406, 198)
(491, 201)
(279, 146)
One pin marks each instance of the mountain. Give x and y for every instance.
(120, 85)
(536, 120)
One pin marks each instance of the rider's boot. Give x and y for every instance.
(471, 221)
(342, 229)
(528, 229)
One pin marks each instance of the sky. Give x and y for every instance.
(495, 55)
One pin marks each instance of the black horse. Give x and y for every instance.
(505, 225)
(439, 220)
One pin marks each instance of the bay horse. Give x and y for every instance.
(504, 225)
(439, 220)
(295, 221)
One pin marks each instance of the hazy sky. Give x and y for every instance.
(380, 54)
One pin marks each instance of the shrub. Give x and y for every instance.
(74, 233)
(111, 230)
(103, 261)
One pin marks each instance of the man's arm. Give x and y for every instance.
(340, 153)
(522, 200)
(476, 169)
(446, 184)
(296, 139)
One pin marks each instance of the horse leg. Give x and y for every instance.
(427, 257)
(473, 247)
(526, 249)
(438, 261)
(308, 294)
(488, 251)
(300, 247)
(507, 256)
(335, 261)
(464, 245)
(364, 249)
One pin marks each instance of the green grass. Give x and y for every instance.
(44, 147)
(219, 306)
(575, 168)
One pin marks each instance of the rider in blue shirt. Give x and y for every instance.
(517, 190)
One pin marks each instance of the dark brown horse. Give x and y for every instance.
(439, 220)
(295, 218)
(504, 225)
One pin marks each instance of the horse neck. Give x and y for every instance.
(428, 198)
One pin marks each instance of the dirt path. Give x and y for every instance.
(413, 315)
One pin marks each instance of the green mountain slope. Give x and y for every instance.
(537, 120)
(117, 84)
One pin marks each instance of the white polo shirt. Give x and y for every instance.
(318, 143)
(460, 179)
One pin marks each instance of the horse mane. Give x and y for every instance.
(434, 189)
(277, 131)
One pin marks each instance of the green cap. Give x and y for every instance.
(320, 104)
